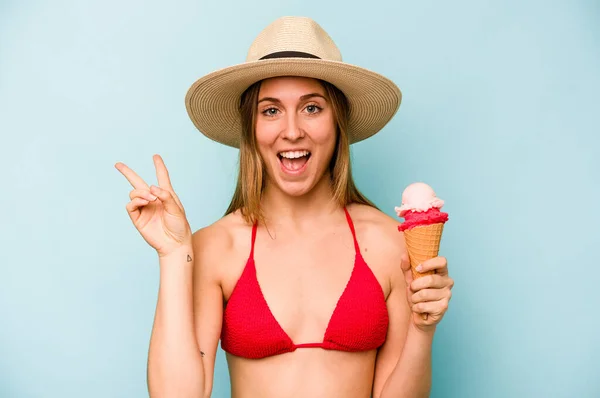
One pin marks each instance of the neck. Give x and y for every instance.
(278, 207)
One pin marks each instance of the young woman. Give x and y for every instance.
(306, 283)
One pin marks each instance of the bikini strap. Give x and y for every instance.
(351, 225)
(254, 227)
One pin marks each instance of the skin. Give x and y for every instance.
(303, 261)
(304, 256)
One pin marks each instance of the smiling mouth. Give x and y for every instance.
(293, 160)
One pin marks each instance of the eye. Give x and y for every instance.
(313, 108)
(270, 111)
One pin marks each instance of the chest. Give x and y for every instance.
(302, 279)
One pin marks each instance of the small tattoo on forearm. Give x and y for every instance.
(202, 354)
(189, 258)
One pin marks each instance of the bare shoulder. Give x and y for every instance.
(376, 229)
(381, 244)
(220, 243)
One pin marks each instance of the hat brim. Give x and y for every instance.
(212, 102)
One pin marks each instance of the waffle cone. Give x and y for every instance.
(423, 243)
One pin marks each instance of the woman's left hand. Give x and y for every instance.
(429, 294)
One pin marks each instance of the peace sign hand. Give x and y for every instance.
(156, 211)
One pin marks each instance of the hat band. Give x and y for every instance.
(289, 54)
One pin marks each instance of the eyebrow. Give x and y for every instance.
(303, 98)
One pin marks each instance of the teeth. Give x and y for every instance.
(293, 154)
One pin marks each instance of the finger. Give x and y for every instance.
(167, 199)
(133, 207)
(437, 264)
(408, 277)
(431, 307)
(402, 240)
(405, 260)
(164, 180)
(142, 193)
(424, 295)
(405, 263)
(162, 174)
(136, 181)
(433, 281)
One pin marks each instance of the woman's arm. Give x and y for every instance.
(213, 247)
(175, 367)
(188, 318)
(411, 376)
(403, 367)
(411, 372)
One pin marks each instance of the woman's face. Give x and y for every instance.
(295, 132)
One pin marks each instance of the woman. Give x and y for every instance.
(304, 281)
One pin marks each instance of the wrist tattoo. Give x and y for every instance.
(189, 258)
(202, 354)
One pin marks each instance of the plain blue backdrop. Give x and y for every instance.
(499, 115)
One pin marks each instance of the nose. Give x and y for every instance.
(292, 131)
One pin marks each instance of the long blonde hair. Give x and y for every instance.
(252, 175)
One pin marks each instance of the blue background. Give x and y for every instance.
(500, 116)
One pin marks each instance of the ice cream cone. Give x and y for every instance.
(423, 225)
(423, 243)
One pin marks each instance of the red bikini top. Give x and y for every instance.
(358, 323)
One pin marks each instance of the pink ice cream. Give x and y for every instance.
(420, 206)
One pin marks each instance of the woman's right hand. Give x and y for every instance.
(156, 211)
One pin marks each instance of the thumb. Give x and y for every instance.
(405, 260)
(406, 270)
(166, 199)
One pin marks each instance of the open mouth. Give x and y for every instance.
(293, 160)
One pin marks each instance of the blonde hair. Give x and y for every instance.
(252, 175)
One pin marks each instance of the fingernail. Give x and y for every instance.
(152, 197)
(419, 267)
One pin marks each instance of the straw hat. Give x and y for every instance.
(291, 46)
